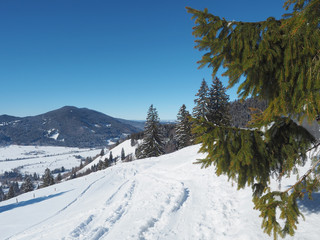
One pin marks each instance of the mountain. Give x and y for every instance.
(68, 126)
(167, 197)
(137, 124)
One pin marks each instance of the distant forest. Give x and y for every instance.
(240, 112)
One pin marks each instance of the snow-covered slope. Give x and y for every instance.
(158, 198)
(116, 153)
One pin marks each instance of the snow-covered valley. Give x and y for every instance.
(157, 198)
(35, 159)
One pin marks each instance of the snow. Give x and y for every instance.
(8, 123)
(167, 197)
(53, 133)
(110, 142)
(116, 152)
(35, 159)
(55, 136)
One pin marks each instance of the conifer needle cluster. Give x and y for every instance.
(279, 60)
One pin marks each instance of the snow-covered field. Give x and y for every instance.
(35, 159)
(158, 198)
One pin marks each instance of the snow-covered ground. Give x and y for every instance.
(158, 198)
(116, 153)
(35, 159)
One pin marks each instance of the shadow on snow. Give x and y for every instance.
(29, 202)
(310, 206)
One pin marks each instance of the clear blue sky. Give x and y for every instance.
(117, 57)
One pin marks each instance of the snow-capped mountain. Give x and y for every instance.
(67, 126)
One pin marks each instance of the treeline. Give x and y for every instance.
(211, 104)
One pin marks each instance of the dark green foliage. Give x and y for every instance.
(59, 177)
(169, 137)
(106, 163)
(123, 155)
(35, 177)
(251, 157)
(11, 192)
(47, 178)
(152, 145)
(241, 110)
(111, 159)
(27, 186)
(183, 128)
(101, 165)
(280, 63)
(135, 137)
(288, 50)
(102, 152)
(16, 188)
(2, 196)
(218, 105)
(201, 102)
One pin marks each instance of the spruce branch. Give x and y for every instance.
(302, 178)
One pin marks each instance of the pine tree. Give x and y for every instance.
(59, 177)
(152, 145)
(106, 162)
(183, 128)
(123, 155)
(102, 152)
(280, 60)
(2, 196)
(218, 105)
(101, 165)
(27, 186)
(111, 160)
(11, 192)
(47, 178)
(16, 188)
(200, 108)
(35, 177)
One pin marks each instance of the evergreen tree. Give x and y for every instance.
(106, 163)
(152, 145)
(183, 128)
(11, 192)
(123, 155)
(27, 186)
(2, 196)
(102, 152)
(101, 165)
(111, 160)
(280, 60)
(200, 108)
(47, 178)
(35, 177)
(218, 105)
(16, 188)
(59, 177)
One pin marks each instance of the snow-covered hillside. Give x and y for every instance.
(116, 153)
(158, 198)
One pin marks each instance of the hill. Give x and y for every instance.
(67, 126)
(167, 197)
